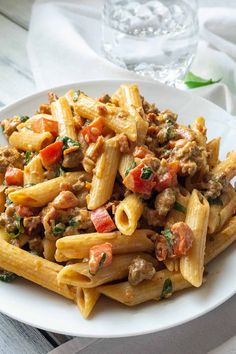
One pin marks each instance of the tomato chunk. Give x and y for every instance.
(45, 125)
(92, 131)
(102, 220)
(100, 256)
(51, 154)
(14, 176)
(141, 179)
(169, 178)
(23, 211)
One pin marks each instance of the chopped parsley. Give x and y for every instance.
(23, 119)
(68, 142)
(58, 229)
(76, 95)
(180, 207)
(167, 289)
(102, 260)
(73, 223)
(7, 277)
(169, 237)
(170, 133)
(27, 156)
(19, 229)
(146, 172)
(59, 171)
(132, 166)
(215, 201)
(169, 122)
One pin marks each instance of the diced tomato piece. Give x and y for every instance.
(23, 211)
(102, 220)
(92, 131)
(14, 176)
(134, 181)
(183, 238)
(100, 256)
(51, 154)
(45, 125)
(169, 178)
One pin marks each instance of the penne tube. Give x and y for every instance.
(78, 246)
(27, 140)
(172, 264)
(225, 169)
(213, 148)
(29, 123)
(199, 128)
(128, 213)
(43, 193)
(219, 241)
(69, 97)
(33, 171)
(78, 274)
(86, 299)
(192, 265)
(61, 112)
(126, 162)
(49, 249)
(131, 101)
(105, 174)
(113, 117)
(147, 290)
(33, 268)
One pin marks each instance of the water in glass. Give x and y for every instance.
(156, 38)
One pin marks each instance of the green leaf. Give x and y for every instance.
(68, 142)
(27, 156)
(180, 207)
(19, 227)
(193, 81)
(76, 95)
(7, 277)
(58, 229)
(73, 223)
(132, 166)
(167, 289)
(146, 172)
(169, 237)
(24, 118)
(215, 201)
(102, 260)
(59, 171)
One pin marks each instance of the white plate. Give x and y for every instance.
(38, 307)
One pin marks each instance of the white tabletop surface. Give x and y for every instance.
(16, 81)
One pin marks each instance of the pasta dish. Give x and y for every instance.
(112, 196)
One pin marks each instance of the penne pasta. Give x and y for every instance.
(33, 171)
(78, 246)
(105, 174)
(126, 162)
(191, 265)
(27, 140)
(86, 299)
(61, 112)
(33, 268)
(147, 290)
(113, 117)
(78, 274)
(128, 213)
(226, 168)
(178, 214)
(33, 196)
(213, 148)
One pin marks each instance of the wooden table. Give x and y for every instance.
(16, 81)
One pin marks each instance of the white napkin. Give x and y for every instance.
(64, 46)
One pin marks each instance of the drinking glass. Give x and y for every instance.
(154, 38)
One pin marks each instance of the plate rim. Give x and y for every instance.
(132, 331)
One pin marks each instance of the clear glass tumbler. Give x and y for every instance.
(154, 38)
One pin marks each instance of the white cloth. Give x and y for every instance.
(64, 47)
